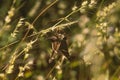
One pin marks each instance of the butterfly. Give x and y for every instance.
(59, 45)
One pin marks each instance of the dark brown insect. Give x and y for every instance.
(59, 45)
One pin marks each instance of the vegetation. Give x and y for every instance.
(59, 40)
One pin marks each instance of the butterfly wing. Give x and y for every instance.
(64, 48)
(55, 47)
